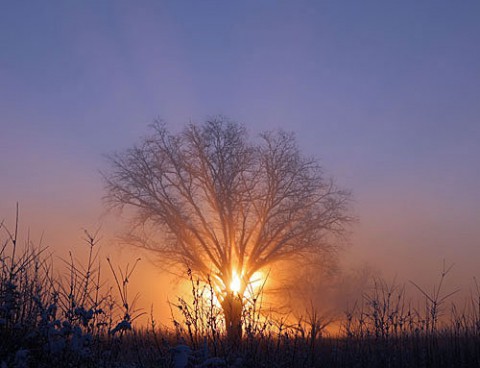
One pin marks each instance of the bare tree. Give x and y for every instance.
(228, 206)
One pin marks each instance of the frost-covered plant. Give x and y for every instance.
(56, 318)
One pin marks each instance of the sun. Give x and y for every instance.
(253, 286)
(235, 284)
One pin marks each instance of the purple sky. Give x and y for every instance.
(387, 94)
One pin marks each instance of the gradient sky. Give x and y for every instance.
(386, 94)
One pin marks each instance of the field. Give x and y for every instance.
(72, 318)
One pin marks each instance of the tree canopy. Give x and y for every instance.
(228, 205)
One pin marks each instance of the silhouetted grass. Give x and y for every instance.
(79, 321)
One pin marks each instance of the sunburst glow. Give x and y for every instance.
(236, 284)
(256, 281)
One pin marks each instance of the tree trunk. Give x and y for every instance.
(232, 309)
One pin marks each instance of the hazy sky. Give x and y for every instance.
(386, 94)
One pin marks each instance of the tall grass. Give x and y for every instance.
(74, 318)
(49, 319)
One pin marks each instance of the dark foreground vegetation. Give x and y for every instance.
(73, 319)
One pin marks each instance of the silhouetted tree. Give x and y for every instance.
(228, 206)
